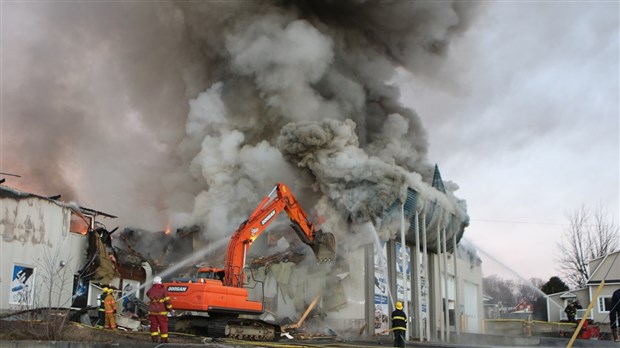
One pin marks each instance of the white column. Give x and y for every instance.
(403, 260)
(417, 305)
(442, 332)
(457, 307)
(426, 286)
(446, 301)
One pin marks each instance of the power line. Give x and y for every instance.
(522, 222)
(536, 223)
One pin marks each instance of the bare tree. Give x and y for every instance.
(590, 235)
(530, 290)
(501, 290)
(51, 305)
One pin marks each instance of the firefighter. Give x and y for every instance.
(109, 304)
(571, 310)
(158, 311)
(101, 310)
(399, 325)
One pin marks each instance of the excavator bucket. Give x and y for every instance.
(324, 247)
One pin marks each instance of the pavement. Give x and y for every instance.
(462, 341)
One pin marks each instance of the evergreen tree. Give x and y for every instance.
(554, 285)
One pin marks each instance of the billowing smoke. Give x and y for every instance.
(188, 113)
(358, 184)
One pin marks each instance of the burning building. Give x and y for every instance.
(220, 100)
(47, 242)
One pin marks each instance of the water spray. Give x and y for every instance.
(192, 258)
(525, 281)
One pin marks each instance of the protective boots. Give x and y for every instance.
(155, 339)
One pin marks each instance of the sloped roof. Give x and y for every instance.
(567, 295)
(437, 181)
(605, 268)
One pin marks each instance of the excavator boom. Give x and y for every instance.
(323, 244)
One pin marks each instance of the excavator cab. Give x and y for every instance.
(210, 273)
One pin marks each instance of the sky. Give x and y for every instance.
(164, 113)
(529, 129)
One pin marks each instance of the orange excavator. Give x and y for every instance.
(220, 292)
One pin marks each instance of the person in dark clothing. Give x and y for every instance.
(399, 325)
(571, 310)
(614, 315)
(101, 310)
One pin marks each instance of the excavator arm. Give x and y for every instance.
(323, 244)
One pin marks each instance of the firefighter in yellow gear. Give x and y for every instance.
(109, 305)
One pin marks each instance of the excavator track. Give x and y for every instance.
(242, 329)
(255, 330)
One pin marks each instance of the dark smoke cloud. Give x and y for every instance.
(360, 185)
(192, 111)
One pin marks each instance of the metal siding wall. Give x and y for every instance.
(35, 231)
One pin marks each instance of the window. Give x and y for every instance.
(79, 223)
(604, 304)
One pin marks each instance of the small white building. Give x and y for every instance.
(43, 245)
(605, 268)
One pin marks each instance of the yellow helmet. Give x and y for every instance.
(105, 290)
(399, 305)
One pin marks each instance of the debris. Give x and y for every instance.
(288, 256)
(125, 322)
(304, 316)
(287, 335)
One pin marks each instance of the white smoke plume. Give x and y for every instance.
(189, 112)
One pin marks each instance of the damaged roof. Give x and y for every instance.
(8, 192)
